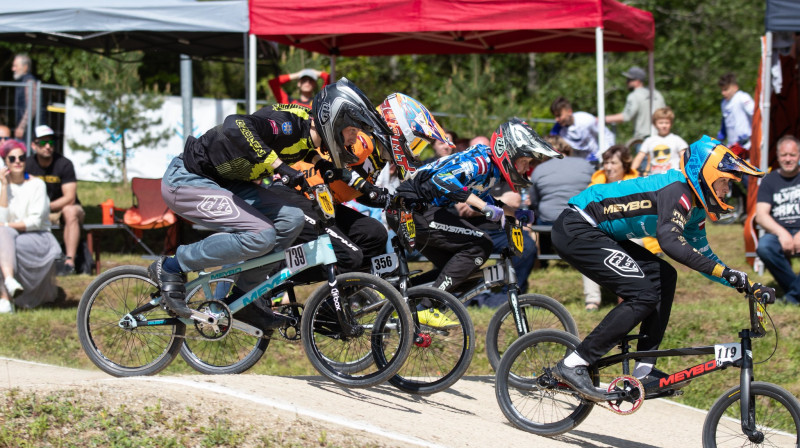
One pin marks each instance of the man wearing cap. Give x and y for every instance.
(637, 105)
(306, 83)
(58, 173)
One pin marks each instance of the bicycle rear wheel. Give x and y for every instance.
(439, 355)
(348, 359)
(777, 416)
(142, 350)
(232, 354)
(528, 394)
(540, 311)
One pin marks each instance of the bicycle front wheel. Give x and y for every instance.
(444, 342)
(541, 312)
(136, 350)
(347, 358)
(232, 354)
(777, 417)
(531, 398)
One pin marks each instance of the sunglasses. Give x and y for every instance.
(50, 142)
(13, 159)
(4, 138)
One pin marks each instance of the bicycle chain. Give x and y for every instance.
(281, 338)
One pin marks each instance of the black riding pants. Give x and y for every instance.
(452, 244)
(645, 282)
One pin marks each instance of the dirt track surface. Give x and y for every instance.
(467, 415)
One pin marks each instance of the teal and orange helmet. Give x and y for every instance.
(707, 160)
(413, 128)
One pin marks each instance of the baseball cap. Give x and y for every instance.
(308, 73)
(43, 131)
(635, 73)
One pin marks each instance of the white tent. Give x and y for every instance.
(191, 28)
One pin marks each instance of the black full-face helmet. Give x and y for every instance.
(338, 106)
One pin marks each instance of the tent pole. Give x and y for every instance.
(651, 75)
(251, 74)
(601, 89)
(186, 94)
(766, 93)
(333, 69)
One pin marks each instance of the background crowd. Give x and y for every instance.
(653, 149)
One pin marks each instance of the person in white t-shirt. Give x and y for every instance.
(580, 130)
(662, 152)
(737, 112)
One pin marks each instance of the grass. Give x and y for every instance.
(704, 313)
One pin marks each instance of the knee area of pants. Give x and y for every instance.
(258, 242)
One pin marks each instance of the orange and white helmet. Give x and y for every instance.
(413, 128)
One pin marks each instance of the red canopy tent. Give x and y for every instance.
(389, 27)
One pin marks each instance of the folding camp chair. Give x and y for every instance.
(149, 212)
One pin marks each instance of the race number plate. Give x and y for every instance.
(296, 258)
(493, 273)
(383, 264)
(325, 202)
(729, 352)
(516, 238)
(408, 221)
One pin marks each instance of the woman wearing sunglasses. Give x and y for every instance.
(28, 249)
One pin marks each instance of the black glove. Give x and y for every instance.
(737, 279)
(289, 176)
(764, 293)
(375, 195)
(328, 170)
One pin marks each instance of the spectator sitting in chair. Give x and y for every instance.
(58, 173)
(28, 249)
(778, 214)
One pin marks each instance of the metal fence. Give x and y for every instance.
(48, 103)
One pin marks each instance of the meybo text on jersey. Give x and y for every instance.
(630, 206)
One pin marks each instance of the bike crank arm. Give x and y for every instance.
(249, 329)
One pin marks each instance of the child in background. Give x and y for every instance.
(663, 151)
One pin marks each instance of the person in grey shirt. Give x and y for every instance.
(637, 105)
(557, 180)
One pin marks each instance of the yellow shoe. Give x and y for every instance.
(434, 318)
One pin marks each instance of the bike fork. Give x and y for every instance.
(520, 320)
(344, 321)
(746, 402)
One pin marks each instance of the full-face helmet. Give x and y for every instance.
(413, 128)
(707, 160)
(338, 106)
(515, 139)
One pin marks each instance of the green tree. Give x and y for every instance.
(120, 107)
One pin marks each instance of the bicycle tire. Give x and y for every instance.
(541, 312)
(348, 361)
(235, 353)
(777, 417)
(442, 356)
(144, 350)
(538, 403)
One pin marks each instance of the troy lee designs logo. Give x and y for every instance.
(219, 208)
(623, 264)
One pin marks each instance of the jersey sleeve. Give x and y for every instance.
(682, 239)
(250, 131)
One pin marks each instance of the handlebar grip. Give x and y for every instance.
(329, 175)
